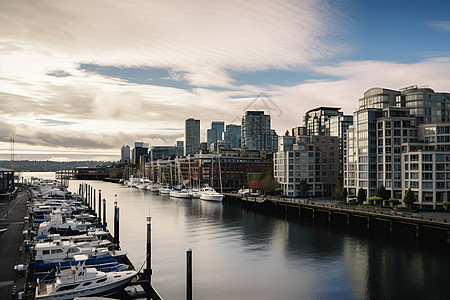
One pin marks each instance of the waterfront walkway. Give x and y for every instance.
(10, 242)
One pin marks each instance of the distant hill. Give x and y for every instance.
(50, 166)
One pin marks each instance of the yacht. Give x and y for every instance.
(210, 194)
(180, 193)
(165, 189)
(79, 281)
(154, 187)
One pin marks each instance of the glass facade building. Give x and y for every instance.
(256, 133)
(191, 136)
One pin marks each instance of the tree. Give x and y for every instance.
(382, 192)
(303, 186)
(344, 193)
(409, 198)
(116, 173)
(268, 183)
(361, 195)
(255, 184)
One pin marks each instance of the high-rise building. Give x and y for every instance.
(313, 159)
(327, 121)
(125, 157)
(256, 133)
(232, 135)
(191, 136)
(398, 140)
(140, 150)
(316, 119)
(214, 133)
(211, 136)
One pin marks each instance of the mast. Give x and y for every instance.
(12, 153)
(220, 174)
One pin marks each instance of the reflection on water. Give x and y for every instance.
(239, 254)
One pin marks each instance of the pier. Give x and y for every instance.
(393, 224)
(17, 262)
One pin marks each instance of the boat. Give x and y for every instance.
(58, 224)
(154, 187)
(79, 281)
(180, 193)
(60, 251)
(144, 183)
(210, 194)
(165, 189)
(195, 192)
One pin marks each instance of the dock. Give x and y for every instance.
(11, 250)
(16, 226)
(421, 228)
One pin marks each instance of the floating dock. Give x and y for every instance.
(16, 226)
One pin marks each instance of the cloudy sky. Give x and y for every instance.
(79, 79)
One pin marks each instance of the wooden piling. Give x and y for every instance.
(189, 274)
(100, 206)
(148, 270)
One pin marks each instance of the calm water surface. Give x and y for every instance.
(238, 254)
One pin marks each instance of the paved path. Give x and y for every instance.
(10, 242)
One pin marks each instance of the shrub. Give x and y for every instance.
(375, 198)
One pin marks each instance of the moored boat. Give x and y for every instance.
(209, 194)
(79, 281)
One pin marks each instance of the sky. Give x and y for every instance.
(79, 79)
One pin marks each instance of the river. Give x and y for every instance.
(240, 254)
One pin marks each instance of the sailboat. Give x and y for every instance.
(208, 193)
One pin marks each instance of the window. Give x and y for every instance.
(427, 185)
(70, 287)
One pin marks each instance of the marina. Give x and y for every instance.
(279, 249)
(64, 250)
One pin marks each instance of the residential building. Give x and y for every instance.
(125, 156)
(191, 136)
(392, 143)
(310, 158)
(329, 121)
(316, 119)
(256, 132)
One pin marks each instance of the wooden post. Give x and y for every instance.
(148, 271)
(100, 206)
(104, 212)
(94, 201)
(189, 274)
(116, 225)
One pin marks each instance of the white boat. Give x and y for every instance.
(80, 281)
(195, 192)
(180, 193)
(165, 190)
(59, 251)
(154, 187)
(209, 194)
(88, 240)
(144, 183)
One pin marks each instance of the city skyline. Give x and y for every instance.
(81, 79)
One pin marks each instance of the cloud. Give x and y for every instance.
(350, 80)
(58, 73)
(201, 39)
(439, 25)
(50, 122)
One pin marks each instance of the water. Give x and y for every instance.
(238, 254)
